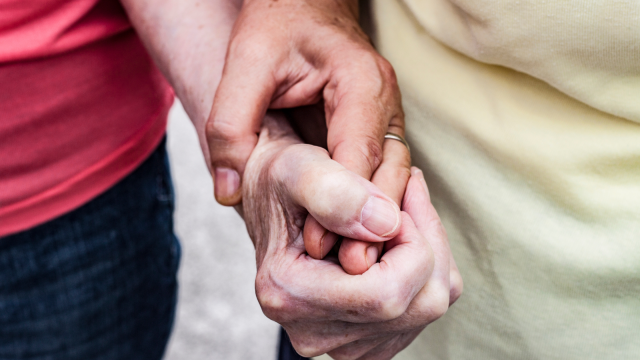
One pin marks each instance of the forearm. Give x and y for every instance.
(188, 41)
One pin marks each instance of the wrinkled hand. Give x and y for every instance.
(324, 309)
(290, 53)
(391, 177)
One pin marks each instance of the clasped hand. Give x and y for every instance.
(324, 309)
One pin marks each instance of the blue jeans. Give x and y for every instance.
(285, 348)
(98, 282)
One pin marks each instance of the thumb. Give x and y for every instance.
(239, 106)
(339, 200)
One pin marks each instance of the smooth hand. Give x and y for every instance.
(324, 309)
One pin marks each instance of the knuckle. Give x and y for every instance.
(281, 164)
(390, 310)
(219, 130)
(457, 287)
(430, 306)
(327, 189)
(272, 305)
(369, 152)
(308, 352)
(391, 89)
(271, 300)
(365, 150)
(387, 72)
(402, 170)
(439, 304)
(393, 303)
(374, 150)
(304, 347)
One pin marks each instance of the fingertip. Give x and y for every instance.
(354, 256)
(329, 239)
(227, 186)
(381, 217)
(313, 234)
(371, 255)
(416, 196)
(234, 200)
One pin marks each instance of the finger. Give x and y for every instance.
(357, 256)
(361, 101)
(339, 200)
(364, 102)
(366, 112)
(338, 339)
(318, 241)
(388, 349)
(433, 300)
(417, 204)
(240, 103)
(342, 340)
(356, 349)
(391, 177)
(301, 287)
(394, 172)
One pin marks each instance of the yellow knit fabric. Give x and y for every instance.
(525, 116)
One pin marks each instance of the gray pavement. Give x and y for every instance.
(218, 315)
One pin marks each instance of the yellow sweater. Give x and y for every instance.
(525, 116)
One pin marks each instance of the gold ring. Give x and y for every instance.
(398, 138)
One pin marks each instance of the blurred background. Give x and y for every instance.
(218, 316)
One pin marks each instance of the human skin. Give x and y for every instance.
(189, 47)
(324, 309)
(290, 53)
(281, 54)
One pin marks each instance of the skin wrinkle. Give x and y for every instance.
(268, 156)
(372, 155)
(289, 296)
(327, 208)
(281, 262)
(368, 302)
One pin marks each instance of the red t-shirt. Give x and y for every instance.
(81, 106)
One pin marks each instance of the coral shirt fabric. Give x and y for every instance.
(81, 106)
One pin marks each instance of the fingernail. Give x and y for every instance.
(227, 182)
(328, 240)
(371, 255)
(380, 216)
